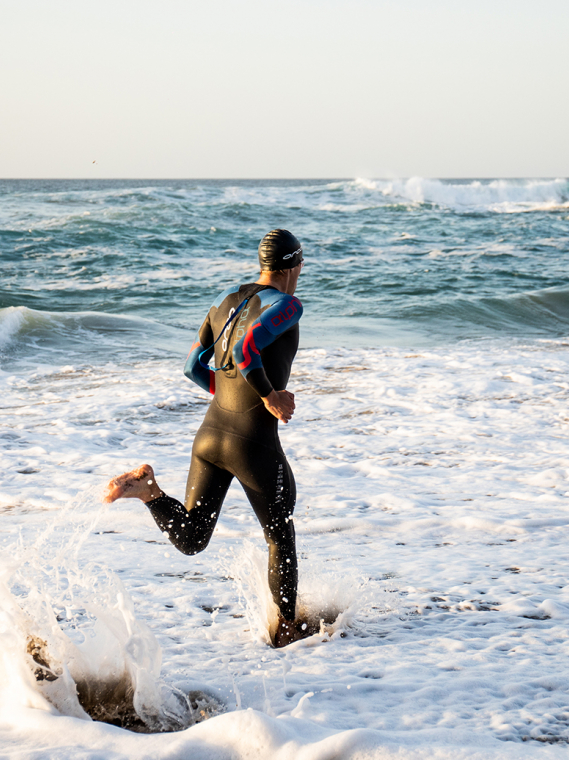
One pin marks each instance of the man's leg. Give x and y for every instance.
(190, 527)
(271, 489)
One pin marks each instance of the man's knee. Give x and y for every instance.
(190, 544)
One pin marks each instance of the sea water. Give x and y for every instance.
(429, 448)
(411, 262)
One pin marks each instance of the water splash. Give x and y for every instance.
(326, 603)
(71, 639)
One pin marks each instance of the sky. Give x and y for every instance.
(296, 89)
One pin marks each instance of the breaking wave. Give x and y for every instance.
(538, 313)
(500, 195)
(45, 335)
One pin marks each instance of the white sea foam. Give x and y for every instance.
(432, 508)
(500, 195)
(496, 195)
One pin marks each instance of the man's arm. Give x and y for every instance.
(274, 321)
(193, 369)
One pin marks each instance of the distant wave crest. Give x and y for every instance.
(501, 195)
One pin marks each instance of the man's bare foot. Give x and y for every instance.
(136, 484)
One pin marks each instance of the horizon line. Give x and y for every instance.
(277, 179)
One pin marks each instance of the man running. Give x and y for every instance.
(251, 331)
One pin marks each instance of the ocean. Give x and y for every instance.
(428, 445)
(414, 262)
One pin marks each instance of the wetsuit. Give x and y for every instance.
(238, 437)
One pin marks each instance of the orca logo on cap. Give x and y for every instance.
(290, 255)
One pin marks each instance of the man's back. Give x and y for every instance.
(254, 353)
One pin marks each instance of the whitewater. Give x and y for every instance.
(428, 446)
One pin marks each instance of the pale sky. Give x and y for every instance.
(292, 89)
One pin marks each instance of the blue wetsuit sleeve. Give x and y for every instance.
(274, 321)
(193, 369)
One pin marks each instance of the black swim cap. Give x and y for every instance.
(279, 249)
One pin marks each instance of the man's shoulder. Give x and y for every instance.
(268, 297)
(224, 294)
(282, 314)
(273, 297)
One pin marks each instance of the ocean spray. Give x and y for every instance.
(73, 641)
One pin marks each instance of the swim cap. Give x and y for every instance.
(279, 249)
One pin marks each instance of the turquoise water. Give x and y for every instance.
(98, 265)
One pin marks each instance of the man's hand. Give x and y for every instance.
(280, 404)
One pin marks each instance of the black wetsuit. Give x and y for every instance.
(239, 437)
